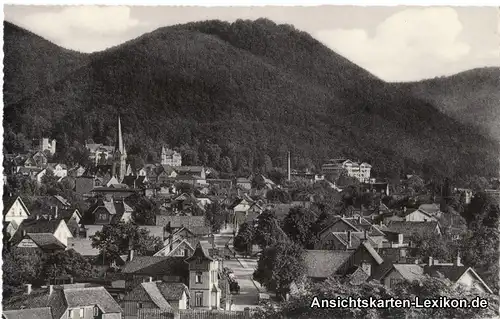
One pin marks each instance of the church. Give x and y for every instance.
(109, 160)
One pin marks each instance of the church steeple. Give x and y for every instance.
(120, 158)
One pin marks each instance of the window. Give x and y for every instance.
(71, 313)
(82, 310)
(198, 278)
(139, 305)
(96, 311)
(198, 299)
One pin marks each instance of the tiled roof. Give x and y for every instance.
(372, 252)
(452, 273)
(180, 221)
(83, 246)
(34, 313)
(155, 295)
(152, 265)
(358, 277)
(46, 241)
(37, 226)
(409, 228)
(172, 290)
(324, 263)
(410, 272)
(199, 252)
(79, 297)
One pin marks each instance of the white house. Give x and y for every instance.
(16, 211)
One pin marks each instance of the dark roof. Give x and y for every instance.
(358, 276)
(372, 252)
(33, 313)
(452, 273)
(409, 228)
(324, 263)
(172, 290)
(35, 226)
(199, 252)
(153, 265)
(83, 246)
(98, 170)
(62, 200)
(180, 221)
(46, 241)
(78, 297)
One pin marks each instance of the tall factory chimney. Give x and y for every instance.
(289, 168)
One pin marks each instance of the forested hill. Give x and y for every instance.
(247, 92)
(471, 97)
(31, 62)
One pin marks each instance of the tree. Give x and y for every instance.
(435, 246)
(216, 216)
(244, 239)
(278, 195)
(118, 239)
(20, 268)
(482, 210)
(298, 225)
(266, 229)
(279, 266)
(226, 166)
(49, 180)
(277, 175)
(145, 211)
(67, 262)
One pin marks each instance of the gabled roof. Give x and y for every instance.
(180, 221)
(199, 252)
(37, 226)
(372, 252)
(154, 294)
(324, 263)
(34, 313)
(409, 228)
(79, 297)
(173, 290)
(152, 265)
(46, 241)
(9, 202)
(409, 272)
(62, 200)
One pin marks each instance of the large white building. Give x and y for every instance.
(360, 171)
(170, 157)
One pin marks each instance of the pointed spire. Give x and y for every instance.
(119, 139)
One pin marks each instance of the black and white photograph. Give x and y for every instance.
(251, 162)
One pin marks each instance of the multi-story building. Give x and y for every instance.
(360, 171)
(170, 157)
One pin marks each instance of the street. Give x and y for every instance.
(243, 269)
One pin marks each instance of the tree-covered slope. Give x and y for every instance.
(249, 91)
(471, 97)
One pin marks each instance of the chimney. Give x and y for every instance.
(366, 234)
(150, 279)
(51, 289)
(458, 261)
(37, 217)
(56, 211)
(28, 289)
(400, 239)
(130, 254)
(359, 217)
(289, 167)
(430, 263)
(349, 238)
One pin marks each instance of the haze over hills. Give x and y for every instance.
(471, 97)
(248, 90)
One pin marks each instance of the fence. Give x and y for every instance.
(193, 314)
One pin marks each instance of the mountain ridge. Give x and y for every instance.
(185, 84)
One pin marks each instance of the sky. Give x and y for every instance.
(398, 43)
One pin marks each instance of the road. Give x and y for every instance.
(243, 269)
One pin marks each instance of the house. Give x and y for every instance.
(364, 257)
(360, 171)
(106, 212)
(139, 269)
(170, 157)
(410, 228)
(167, 296)
(15, 210)
(34, 173)
(195, 224)
(66, 301)
(59, 170)
(393, 274)
(322, 264)
(84, 184)
(431, 209)
(36, 159)
(179, 248)
(348, 240)
(204, 279)
(418, 215)
(263, 182)
(243, 183)
(56, 227)
(43, 242)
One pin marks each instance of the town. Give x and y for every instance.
(113, 239)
